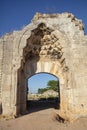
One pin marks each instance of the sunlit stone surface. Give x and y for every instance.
(52, 43)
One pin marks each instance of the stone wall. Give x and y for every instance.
(52, 43)
(1, 60)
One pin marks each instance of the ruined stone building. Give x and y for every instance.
(52, 43)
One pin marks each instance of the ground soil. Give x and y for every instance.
(44, 119)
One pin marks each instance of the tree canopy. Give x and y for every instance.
(51, 85)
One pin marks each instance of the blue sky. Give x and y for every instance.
(39, 80)
(14, 14)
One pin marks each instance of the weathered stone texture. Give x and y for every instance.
(52, 43)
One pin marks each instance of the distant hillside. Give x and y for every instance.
(50, 93)
(47, 94)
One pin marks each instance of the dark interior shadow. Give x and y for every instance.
(42, 104)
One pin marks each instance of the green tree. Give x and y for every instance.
(42, 90)
(53, 84)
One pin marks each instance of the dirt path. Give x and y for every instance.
(41, 120)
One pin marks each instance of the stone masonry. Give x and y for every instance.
(52, 43)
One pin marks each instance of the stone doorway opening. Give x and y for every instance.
(38, 56)
(43, 92)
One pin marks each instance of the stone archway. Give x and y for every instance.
(43, 92)
(52, 43)
(41, 55)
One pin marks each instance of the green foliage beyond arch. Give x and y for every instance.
(51, 85)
